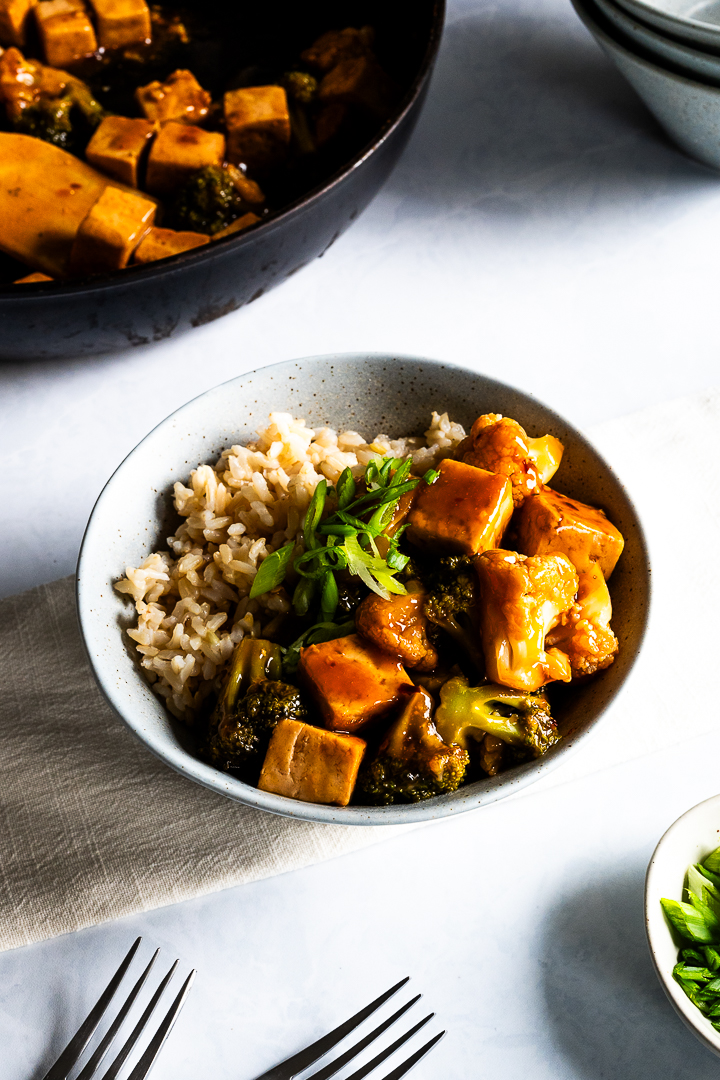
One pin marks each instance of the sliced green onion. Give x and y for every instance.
(272, 570)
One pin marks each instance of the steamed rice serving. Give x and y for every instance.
(192, 600)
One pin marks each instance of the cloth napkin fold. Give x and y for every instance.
(93, 827)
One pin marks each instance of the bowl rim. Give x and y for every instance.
(475, 795)
(615, 41)
(175, 263)
(686, 54)
(684, 24)
(656, 924)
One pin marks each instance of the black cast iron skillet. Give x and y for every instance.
(149, 303)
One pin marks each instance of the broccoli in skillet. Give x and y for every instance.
(213, 198)
(413, 762)
(252, 703)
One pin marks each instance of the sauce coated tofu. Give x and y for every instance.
(161, 243)
(178, 151)
(238, 225)
(122, 22)
(66, 31)
(551, 522)
(352, 681)
(118, 145)
(308, 763)
(111, 231)
(180, 97)
(398, 626)
(32, 279)
(357, 81)
(258, 125)
(464, 512)
(14, 16)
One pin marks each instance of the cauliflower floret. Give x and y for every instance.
(522, 599)
(584, 633)
(502, 446)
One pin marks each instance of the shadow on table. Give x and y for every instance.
(525, 113)
(606, 1010)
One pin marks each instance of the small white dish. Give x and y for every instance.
(685, 20)
(690, 60)
(688, 110)
(689, 840)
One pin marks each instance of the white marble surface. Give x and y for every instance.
(541, 228)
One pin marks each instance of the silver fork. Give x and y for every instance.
(74, 1050)
(296, 1064)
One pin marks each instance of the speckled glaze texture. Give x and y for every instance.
(371, 393)
(150, 303)
(672, 17)
(689, 110)
(693, 61)
(689, 840)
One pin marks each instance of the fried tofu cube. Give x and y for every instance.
(357, 81)
(258, 125)
(111, 231)
(66, 31)
(118, 146)
(551, 522)
(352, 681)
(178, 151)
(398, 626)
(122, 22)
(336, 45)
(238, 225)
(180, 97)
(464, 512)
(32, 279)
(14, 15)
(161, 243)
(309, 763)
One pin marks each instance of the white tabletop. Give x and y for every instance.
(541, 228)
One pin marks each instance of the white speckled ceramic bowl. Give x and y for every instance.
(689, 110)
(693, 62)
(684, 20)
(689, 840)
(370, 393)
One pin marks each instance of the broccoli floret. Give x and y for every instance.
(521, 719)
(300, 86)
(413, 762)
(451, 602)
(207, 202)
(241, 740)
(48, 119)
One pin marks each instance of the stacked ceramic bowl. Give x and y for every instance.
(669, 51)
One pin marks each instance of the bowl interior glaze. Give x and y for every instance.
(371, 393)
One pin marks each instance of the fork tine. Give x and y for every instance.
(407, 1065)
(112, 1031)
(304, 1058)
(145, 1063)
(365, 1070)
(139, 1027)
(337, 1064)
(70, 1055)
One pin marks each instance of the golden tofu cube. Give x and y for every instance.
(358, 81)
(14, 16)
(161, 243)
(118, 145)
(180, 97)
(551, 522)
(122, 22)
(464, 512)
(66, 31)
(308, 763)
(178, 151)
(238, 225)
(352, 681)
(111, 231)
(258, 125)
(32, 279)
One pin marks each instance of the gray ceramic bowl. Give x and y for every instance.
(369, 393)
(688, 110)
(691, 61)
(685, 20)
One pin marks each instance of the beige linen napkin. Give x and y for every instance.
(92, 827)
